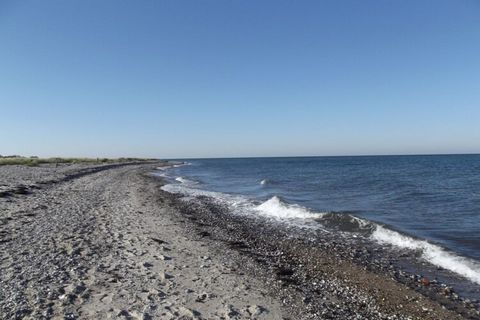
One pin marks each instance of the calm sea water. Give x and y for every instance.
(431, 198)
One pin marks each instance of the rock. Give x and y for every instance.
(124, 313)
(424, 281)
(201, 297)
(244, 287)
(164, 276)
(231, 312)
(158, 241)
(22, 312)
(255, 310)
(189, 312)
(426, 310)
(79, 288)
(447, 291)
(146, 316)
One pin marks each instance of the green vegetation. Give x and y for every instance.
(35, 161)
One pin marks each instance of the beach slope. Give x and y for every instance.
(105, 242)
(94, 243)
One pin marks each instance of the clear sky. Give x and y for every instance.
(239, 78)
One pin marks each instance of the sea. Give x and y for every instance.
(429, 204)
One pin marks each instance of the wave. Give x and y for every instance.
(347, 222)
(264, 182)
(180, 165)
(185, 180)
(432, 253)
(280, 210)
(159, 174)
(277, 208)
(237, 204)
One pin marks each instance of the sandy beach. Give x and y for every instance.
(105, 242)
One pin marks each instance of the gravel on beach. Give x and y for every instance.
(105, 242)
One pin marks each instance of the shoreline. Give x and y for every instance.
(93, 243)
(103, 246)
(299, 260)
(410, 259)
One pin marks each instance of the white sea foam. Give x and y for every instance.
(159, 174)
(238, 204)
(185, 180)
(431, 253)
(276, 208)
(185, 190)
(264, 182)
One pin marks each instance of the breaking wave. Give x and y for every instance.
(275, 207)
(430, 252)
(281, 210)
(185, 180)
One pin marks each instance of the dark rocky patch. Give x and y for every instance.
(159, 241)
(320, 275)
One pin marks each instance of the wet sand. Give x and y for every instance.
(105, 242)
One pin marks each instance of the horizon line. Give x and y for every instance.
(328, 156)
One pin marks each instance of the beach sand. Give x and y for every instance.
(105, 242)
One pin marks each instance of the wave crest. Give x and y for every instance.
(277, 208)
(430, 252)
(184, 180)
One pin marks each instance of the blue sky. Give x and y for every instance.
(239, 78)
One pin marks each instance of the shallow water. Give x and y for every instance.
(433, 201)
